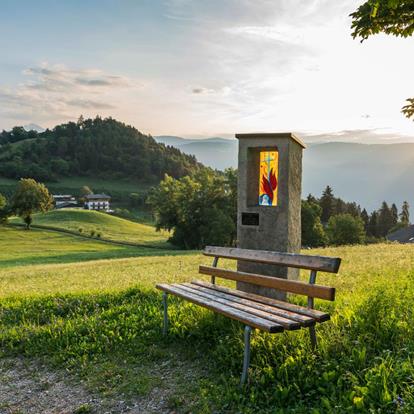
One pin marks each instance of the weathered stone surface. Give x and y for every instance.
(279, 226)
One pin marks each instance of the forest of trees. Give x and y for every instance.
(330, 220)
(90, 147)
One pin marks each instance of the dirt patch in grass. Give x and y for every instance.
(30, 387)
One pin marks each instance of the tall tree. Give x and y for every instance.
(311, 199)
(313, 233)
(373, 225)
(84, 191)
(385, 220)
(340, 206)
(3, 201)
(365, 219)
(394, 214)
(405, 214)
(393, 17)
(353, 209)
(3, 209)
(327, 203)
(30, 197)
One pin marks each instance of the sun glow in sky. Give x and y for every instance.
(201, 68)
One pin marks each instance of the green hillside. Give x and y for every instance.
(19, 247)
(108, 226)
(103, 148)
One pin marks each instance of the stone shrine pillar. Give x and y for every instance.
(269, 202)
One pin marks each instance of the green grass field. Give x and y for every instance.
(101, 320)
(109, 227)
(19, 247)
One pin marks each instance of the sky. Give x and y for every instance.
(198, 68)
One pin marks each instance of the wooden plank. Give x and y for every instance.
(302, 319)
(246, 318)
(215, 296)
(313, 313)
(293, 286)
(302, 261)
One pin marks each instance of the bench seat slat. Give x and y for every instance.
(302, 319)
(313, 313)
(215, 296)
(293, 286)
(302, 261)
(245, 317)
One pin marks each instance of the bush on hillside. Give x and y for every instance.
(345, 229)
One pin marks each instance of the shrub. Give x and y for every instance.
(345, 229)
(123, 213)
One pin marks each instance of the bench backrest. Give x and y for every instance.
(301, 261)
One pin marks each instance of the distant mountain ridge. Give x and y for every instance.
(365, 173)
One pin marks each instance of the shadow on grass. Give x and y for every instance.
(363, 360)
(119, 253)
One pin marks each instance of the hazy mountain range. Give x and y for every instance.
(365, 173)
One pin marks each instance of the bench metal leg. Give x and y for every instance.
(165, 304)
(246, 360)
(312, 333)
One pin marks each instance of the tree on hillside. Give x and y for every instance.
(345, 229)
(84, 191)
(313, 233)
(365, 219)
(311, 199)
(30, 197)
(393, 17)
(3, 201)
(198, 209)
(394, 214)
(405, 214)
(385, 220)
(3, 208)
(372, 229)
(327, 203)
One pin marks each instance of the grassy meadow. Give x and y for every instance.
(107, 226)
(99, 316)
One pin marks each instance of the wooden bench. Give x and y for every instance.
(257, 311)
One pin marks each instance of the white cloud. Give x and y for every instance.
(55, 92)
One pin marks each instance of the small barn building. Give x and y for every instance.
(404, 235)
(97, 202)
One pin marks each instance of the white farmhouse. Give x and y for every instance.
(97, 202)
